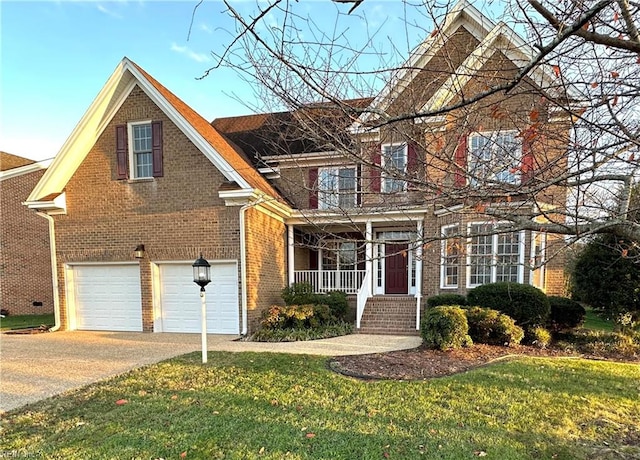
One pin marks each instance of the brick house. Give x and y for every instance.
(25, 262)
(268, 206)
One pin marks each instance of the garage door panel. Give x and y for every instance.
(107, 297)
(180, 299)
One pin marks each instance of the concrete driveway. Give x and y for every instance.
(34, 367)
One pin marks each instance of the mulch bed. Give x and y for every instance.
(422, 363)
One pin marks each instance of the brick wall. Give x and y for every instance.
(25, 262)
(266, 263)
(176, 216)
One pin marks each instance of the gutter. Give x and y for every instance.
(54, 271)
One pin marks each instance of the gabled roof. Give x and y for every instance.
(14, 166)
(228, 159)
(287, 133)
(9, 161)
(492, 37)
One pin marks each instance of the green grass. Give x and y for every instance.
(25, 321)
(595, 322)
(278, 406)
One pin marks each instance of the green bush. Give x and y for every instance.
(565, 313)
(336, 301)
(527, 305)
(539, 337)
(297, 334)
(492, 327)
(605, 279)
(446, 299)
(600, 343)
(299, 294)
(445, 327)
(296, 316)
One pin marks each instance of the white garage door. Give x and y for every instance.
(180, 299)
(107, 297)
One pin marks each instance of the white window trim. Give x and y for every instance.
(336, 250)
(443, 249)
(384, 176)
(132, 167)
(532, 256)
(488, 134)
(321, 203)
(494, 244)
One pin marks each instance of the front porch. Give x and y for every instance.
(369, 259)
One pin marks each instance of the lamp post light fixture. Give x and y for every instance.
(202, 277)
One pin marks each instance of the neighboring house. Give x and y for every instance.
(268, 206)
(25, 262)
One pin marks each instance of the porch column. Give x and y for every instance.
(418, 254)
(290, 254)
(369, 255)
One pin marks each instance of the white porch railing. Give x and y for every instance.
(348, 281)
(361, 299)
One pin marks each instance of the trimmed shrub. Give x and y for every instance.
(299, 294)
(492, 327)
(294, 335)
(296, 316)
(336, 301)
(565, 313)
(446, 299)
(527, 305)
(445, 327)
(539, 337)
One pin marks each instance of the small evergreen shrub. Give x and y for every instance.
(565, 313)
(299, 334)
(445, 327)
(600, 343)
(527, 305)
(539, 337)
(299, 294)
(296, 316)
(492, 327)
(446, 299)
(336, 301)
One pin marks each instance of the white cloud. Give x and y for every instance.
(204, 27)
(108, 12)
(198, 57)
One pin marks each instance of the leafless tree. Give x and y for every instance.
(572, 95)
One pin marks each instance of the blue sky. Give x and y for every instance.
(56, 56)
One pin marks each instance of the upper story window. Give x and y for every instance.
(394, 167)
(337, 187)
(139, 150)
(495, 156)
(494, 256)
(141, 156)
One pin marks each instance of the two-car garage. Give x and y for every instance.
(107, 297)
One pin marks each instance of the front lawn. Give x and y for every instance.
(275, 406)
(594, 321)
(25, 321)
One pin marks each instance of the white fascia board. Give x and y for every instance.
(256, 197)
(477, 24)
(27, 169)
(207, 149)
(338, 218)
(79, 142)
(56, 206)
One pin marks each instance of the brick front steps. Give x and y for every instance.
(390, 315)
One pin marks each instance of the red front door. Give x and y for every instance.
(396, 264)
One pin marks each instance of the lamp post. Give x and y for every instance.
(202, 277)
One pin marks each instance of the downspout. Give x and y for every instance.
(54, 270)
(243, 267)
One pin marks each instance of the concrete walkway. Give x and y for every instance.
(34, 367)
